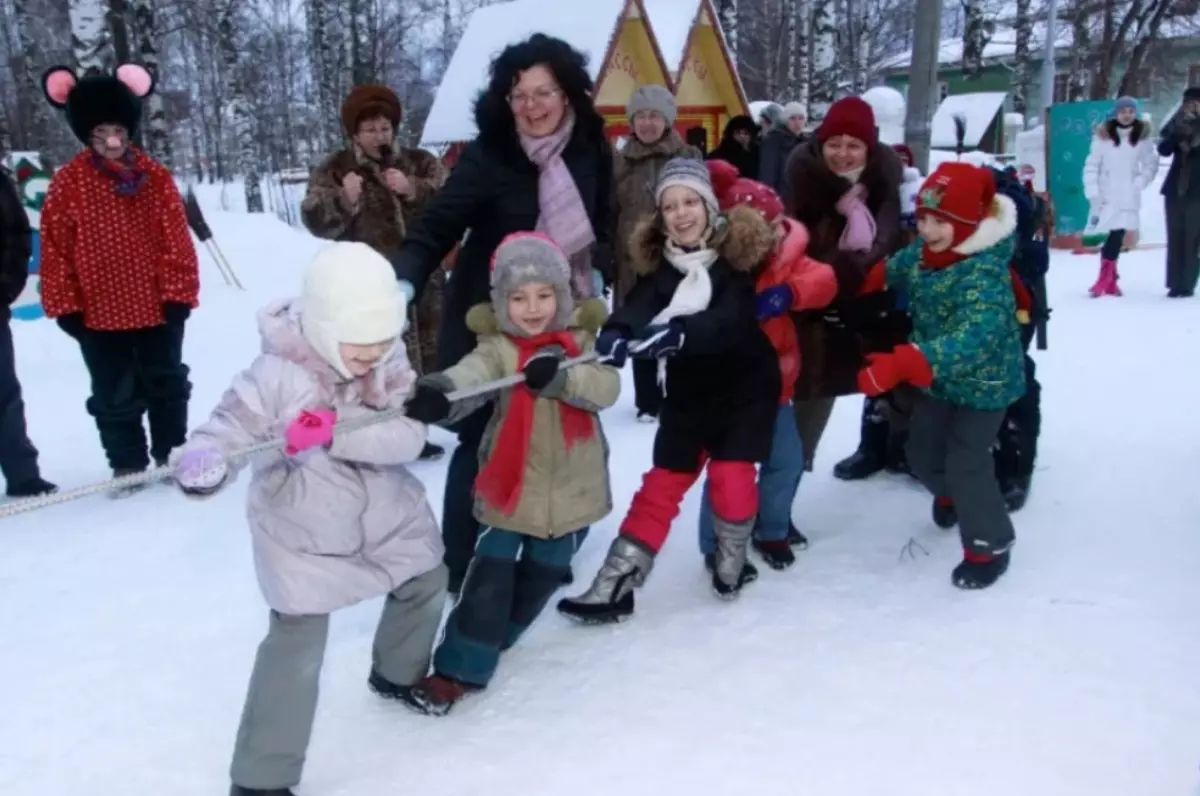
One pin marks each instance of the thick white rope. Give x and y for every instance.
(155, 474)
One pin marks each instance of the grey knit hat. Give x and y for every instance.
(794, 109)
(653, 97)
(1123, 103)
(692, 174)
(525, 257)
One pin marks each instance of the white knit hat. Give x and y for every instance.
(794, 109)
(350, 296)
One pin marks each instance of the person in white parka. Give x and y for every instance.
(1121, 164)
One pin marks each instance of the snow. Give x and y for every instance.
(130, 627)
(889, 106)
(671, 21)
(589, 27)
(979, 108)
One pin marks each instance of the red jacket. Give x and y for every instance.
(813, 285)
(117, 259)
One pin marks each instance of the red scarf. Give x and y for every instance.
(501, 479)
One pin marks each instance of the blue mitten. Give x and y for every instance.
(612, 347)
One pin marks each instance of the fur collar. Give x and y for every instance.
(743, 239)
(589, 315)
(999, 224)
(387, 385)
(1110, 131)
(668, 146)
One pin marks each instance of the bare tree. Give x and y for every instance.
(91, 45)
(727, 14)
(1022, 57)
(239, 108)
(975, 38)
(824, 59)
(158, 137)
(799, 21)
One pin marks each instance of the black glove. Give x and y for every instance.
(72, 324)
(176, 313)
(427, 404)
(612, 346)
(542, 368)
(861, 310)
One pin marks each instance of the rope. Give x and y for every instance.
(157, 474)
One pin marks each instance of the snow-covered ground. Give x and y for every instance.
(129, 627)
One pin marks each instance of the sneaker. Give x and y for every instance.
(647, 417)
(436, 695)
(31, 487)
(778, 554)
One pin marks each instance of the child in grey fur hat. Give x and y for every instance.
(543, 476)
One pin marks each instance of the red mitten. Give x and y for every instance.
(905, 364)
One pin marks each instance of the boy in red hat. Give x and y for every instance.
(787, 281)
(965, 355)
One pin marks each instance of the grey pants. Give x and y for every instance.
(277, 720)
(1183, 243)
(18, 457)
(950, 451)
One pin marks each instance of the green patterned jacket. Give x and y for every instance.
(964, 316)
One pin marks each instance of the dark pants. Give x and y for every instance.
(1111, 249)
(136, 372)
(1016, 446)
(18, 457)
(950, 451)
(460, 529)
(647, 392)
(507, 585)
(1183, 243)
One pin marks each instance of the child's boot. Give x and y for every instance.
(1101, 287)
(733, 541)
(436, 695)
(238, 790)
(777, 553)
(795, 538)
(945, 516)
(1113, 278)
(978, 571)
(610, 597)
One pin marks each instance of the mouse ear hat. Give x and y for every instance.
(99, 97)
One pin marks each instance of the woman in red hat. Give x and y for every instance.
(844, 187)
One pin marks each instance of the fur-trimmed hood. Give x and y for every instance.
(589, 315)
(998, 225)
(742, 238)
(1109, 131)
(279, 324)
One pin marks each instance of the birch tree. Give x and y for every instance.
(91, 48)
(824, 59)
(158, 136)
(975, 38)
(1022, 57)
(239, 109)
(727, 15)
(28, 75)
(799, 21)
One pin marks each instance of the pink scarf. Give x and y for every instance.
(562, 214)
(859, 234)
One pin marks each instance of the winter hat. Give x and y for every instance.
(772, 114)
(1191, 93)
(906, 154)
(794, 109)
(524, 257)
(1123, 103)
(733, 190)
(351, 295)
(653, 97)
(691, 174)
(98, 97)
(368, 102)
(959, 193)
(850, 116)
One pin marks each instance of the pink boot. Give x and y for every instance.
(1113, 290)
(1104, 282)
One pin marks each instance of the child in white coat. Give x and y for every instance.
(334, 520)
(1121, 164)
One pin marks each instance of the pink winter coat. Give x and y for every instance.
(330, 527)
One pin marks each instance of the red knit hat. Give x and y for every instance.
(959, 193)
(850, 116)
(733, 190)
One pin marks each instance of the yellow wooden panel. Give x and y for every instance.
(632, 64)
(706, 79)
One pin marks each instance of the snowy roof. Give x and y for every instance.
(671, 21)
(979, 109)
(589, 27)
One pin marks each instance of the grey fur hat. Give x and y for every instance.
(525, 257)
(653, 97)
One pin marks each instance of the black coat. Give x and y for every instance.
(722, 387)
(492, 192)
(773, 153)
(743, 159)
(16, 243)
(1180, 140)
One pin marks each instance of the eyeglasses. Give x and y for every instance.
(539, 96)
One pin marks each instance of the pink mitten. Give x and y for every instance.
(310, 429)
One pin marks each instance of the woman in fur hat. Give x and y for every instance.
(651, 112)
(119, 272)
(739, 146)
(371, 192)
(693, 311)
(1120, 165)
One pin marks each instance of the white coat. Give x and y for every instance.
(1121, 164)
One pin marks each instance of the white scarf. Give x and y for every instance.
(692, 294)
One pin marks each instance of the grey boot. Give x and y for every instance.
(733, 540)
(610, 597)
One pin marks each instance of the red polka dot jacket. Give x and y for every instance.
(116, 259)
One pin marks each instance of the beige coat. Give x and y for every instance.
(563, 490)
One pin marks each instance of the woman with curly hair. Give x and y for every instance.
(540, 162)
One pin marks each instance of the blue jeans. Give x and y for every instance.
(778, 480)
(509, 581)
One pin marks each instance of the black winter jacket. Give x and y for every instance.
(16, 242)
(492, 192)
(722, 387)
